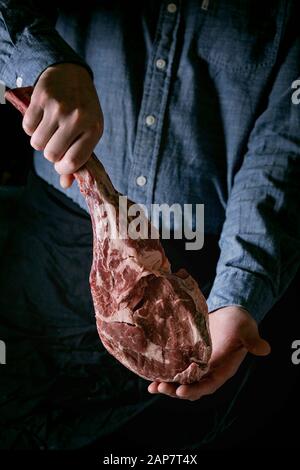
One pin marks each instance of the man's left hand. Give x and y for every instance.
(234, 333)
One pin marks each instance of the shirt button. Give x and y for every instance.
(19, 82)
(161, 64)
(141, 180)
(172, 8)
(150, 120)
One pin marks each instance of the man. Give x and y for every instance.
(195, 108)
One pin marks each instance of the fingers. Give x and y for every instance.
(195, 391)
(59, 143)
(209, 384)
(191, 392)
(165, 388)
(153, 387)
(76, 155)
(43, 133)
(32, 118)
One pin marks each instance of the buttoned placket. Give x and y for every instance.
(155, 96)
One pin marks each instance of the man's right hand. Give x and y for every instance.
(64, 118)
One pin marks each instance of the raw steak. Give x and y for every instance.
(154, 322)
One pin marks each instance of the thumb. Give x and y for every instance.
(257, 346)
(66, 181)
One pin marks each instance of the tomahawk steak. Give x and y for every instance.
(153, 321)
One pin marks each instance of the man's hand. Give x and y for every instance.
(234, 333)
(64, 118)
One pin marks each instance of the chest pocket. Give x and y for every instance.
(241, 35)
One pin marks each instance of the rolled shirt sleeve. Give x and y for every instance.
(260, 239)
(29, 43)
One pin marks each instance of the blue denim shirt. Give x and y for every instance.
(216, 77)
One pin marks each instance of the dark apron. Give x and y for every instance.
(60, 389)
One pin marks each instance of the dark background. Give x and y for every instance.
(15, 154)
(269, 407)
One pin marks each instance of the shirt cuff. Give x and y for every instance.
(244, 289)
(32, 54)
